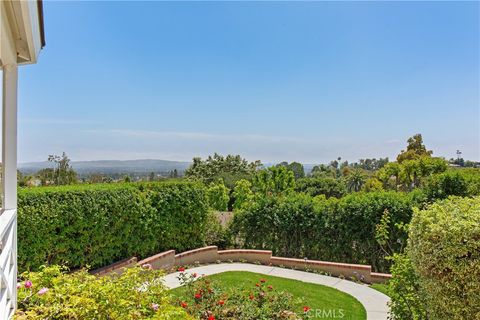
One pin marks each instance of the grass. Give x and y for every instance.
(382, 287)
(328, 301)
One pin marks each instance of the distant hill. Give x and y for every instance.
(109, 167)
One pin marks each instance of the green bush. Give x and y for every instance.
(344, 230)
(330, 187)
(218, 196)
(206, 300)
(444, 247)
(54, 294)
(407, 301)
(454, 182)
(96, 225)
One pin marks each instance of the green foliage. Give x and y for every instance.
(327, 186)
(230, 169)
(415, 149)
(99, 224)
(242, 194)
(218, 196)
(297, 225)
(444, 247)
(372, 185)
(454, 182)
(62, 173)
(55, 294)
(206, 299)
(355, 180)
(215, 233)
(274, 180)
(407, 301)
(296, 167)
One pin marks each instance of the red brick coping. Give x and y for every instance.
(211, 254)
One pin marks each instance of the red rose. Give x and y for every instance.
(198, 295)
(251, 297)
(270, 287)
(212, 317)
(263, 280)
(194, 275)
(221, 302)
(181, 269)
(257, 284)
(306, 309)
(183, 304)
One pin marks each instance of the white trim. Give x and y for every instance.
(9, 136)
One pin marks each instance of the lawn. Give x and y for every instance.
(327, 302)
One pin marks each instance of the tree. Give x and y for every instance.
(63, 173)
(242, 193)
(355, 180)
(322, 170)
(218, 196)
(415, 149)
(327, 186)
(274, 180)
(230, 169)
(295, 167)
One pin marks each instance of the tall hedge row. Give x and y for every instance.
(331, 229)
(96, 225)
(444, 247)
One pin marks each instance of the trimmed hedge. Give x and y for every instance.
(95, 225)
(331, 229)
(444, 247)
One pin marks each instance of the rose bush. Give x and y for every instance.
(203, 299)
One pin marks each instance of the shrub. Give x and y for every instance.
(54, 294)
(407, 302)
(330, 187)
(449, 183)
(242, 193)
(204, 299)
(218, 196)
(444, 246)
(99, 224)
(344, 230)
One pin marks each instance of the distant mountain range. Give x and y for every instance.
(112, 166)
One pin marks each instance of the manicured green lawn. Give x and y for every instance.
(328, 301)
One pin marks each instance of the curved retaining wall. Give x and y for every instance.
(211, 254)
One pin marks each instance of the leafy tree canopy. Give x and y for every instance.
(230, 168)
(415, 149)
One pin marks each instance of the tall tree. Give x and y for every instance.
(415, 149)
(63, 172)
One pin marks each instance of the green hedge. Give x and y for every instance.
(96, 225)
(331, 229)
(444, 247)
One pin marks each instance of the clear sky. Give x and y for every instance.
(305, 81)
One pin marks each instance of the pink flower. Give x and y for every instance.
(194, 275)
(154, 306)
(42, 291)
(19, 285)
(28, 284)
(147, 266)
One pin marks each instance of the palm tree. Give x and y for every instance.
(355, 180)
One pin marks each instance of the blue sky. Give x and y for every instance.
(305, 81)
